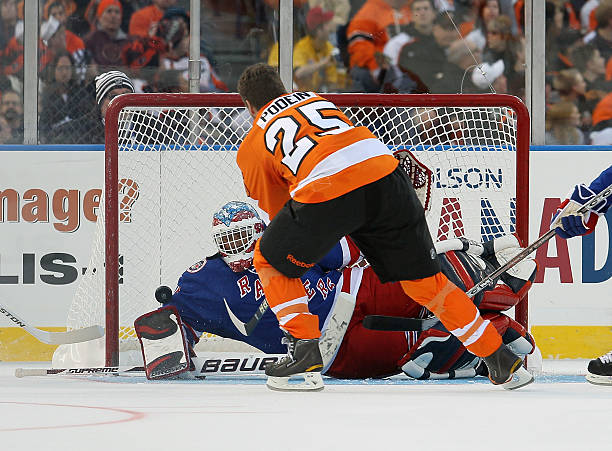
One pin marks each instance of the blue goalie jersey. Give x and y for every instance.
(203, 288)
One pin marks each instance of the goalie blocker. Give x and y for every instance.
(165, 350)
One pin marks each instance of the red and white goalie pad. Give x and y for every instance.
(165, 350)
(467, 262)
(437, 354)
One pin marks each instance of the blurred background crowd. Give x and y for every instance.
(374, 46)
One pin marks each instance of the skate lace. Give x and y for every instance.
(606, 358)
(290, 348)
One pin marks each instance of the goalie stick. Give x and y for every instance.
(396, 323)
(56, 338)
(247, 328)
(210, 364)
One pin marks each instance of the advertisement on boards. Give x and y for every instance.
(49, 205)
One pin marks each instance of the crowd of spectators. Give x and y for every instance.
(80, 39)
(378, 46)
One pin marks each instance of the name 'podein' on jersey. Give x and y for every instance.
(205, 285)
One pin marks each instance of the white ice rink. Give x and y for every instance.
(560, 411)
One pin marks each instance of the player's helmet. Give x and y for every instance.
(235, 228)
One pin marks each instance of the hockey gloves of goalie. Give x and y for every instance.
(165, 350)
(518, 279)
(467, 262)
(568, 223)
(439, 355)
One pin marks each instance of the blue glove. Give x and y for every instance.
(568, 223)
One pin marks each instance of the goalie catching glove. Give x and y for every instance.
(165, 350)
(466, 262)
(569, 223)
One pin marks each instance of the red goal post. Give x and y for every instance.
(437, 135)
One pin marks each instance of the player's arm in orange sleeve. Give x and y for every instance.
(361, 46)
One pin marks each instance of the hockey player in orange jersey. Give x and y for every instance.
(319, 178)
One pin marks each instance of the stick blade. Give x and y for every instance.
(239, 324)
(71, 336)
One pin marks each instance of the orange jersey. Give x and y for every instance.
(302, 146)
(370, 29)
(603, 110)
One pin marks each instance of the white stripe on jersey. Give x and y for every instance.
(344, 158)
(355, 282)
(477, 334)
(346, 252)
(462, 330)
(279, 307)
(285, 319)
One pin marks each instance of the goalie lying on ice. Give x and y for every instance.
(342, 290)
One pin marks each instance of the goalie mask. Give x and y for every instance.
(236, 227)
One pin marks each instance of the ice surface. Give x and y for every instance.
(560, 411)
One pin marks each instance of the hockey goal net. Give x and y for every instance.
(171, 162)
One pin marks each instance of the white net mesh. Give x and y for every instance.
(177, 167)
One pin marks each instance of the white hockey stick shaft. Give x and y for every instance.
(55, 338)
(210, 364)
(533, 246)
(99, 370)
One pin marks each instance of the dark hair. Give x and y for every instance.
(48, 73)
(581, 56)
(428, 1)
(480, 23)
(603, 14)
(259, 84)
(445, 21)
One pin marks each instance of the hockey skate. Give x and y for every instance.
(506, 369)
(599, 371)
(303, 359)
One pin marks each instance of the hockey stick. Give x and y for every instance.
(56, 338)
(210, 364)
(247, 328)
(396, 323)
(98, 370)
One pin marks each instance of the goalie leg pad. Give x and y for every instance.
(335, 327)
(439, 355)
(513, 334)
(163, 344)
